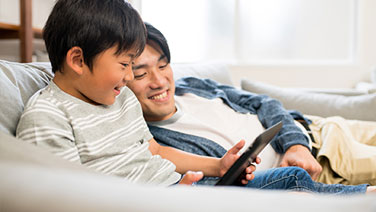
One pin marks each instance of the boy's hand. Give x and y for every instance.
(231, 156)
(191, 177)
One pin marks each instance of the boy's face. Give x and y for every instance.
(109, 74)
(153, 84)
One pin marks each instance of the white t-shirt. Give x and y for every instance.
(195, 114)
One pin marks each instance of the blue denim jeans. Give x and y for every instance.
(294, 179)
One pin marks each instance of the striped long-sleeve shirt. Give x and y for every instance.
(110, 139)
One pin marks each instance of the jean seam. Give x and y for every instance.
(286, 177)
(280, 179)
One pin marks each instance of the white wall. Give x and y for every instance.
(323, 75)
(285, 75)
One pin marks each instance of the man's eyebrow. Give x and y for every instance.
(162, 57)
(135, 67)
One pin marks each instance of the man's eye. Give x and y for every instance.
(139, 76)
(163, 66)
(125, 64)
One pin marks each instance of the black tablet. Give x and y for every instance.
(232, 175)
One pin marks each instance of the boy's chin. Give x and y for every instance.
(107, 102)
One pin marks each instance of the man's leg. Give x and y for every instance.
(347, 150)
(297, 179)
(291, 179)
(363, 131)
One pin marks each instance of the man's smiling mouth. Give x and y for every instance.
(159, 96)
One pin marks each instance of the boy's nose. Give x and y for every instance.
(129, 76)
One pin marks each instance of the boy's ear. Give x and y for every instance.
(75, 59)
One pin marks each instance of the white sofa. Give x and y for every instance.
(34, 180)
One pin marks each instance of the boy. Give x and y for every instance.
(88, 116)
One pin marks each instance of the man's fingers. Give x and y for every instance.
(316, 172)
(313, 171)
(283, 164)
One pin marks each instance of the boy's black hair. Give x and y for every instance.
(155, 35)
(94, 26)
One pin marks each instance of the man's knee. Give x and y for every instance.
(296, 175)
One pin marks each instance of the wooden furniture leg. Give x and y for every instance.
(26, 31)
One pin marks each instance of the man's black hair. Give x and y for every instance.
(155, 35)
(94, 26)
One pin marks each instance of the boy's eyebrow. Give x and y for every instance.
(135, 67)
(132, 56)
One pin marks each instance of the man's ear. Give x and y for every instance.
(75, 59)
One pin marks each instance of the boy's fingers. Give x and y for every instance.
(237, 147)
(258, 160)
(191, 177)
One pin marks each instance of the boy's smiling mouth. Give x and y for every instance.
(117, 90)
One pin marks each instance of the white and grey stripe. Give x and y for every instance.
(110, 139)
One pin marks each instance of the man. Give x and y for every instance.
(206, 118)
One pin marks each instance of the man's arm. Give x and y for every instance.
(291, 141)
(268, 110)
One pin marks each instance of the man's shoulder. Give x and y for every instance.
(195, 83)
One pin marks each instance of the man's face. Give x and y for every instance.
(153, 84)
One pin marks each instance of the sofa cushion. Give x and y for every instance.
(18, 81)
(359, 107)
(215, 71)
(34, 180)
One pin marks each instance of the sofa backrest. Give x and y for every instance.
(18, 81)
(219, 72)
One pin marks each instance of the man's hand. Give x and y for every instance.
(231, 156)
(300, 156)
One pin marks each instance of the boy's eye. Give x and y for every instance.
(125, 64)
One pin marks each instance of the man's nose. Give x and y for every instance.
(158, 80)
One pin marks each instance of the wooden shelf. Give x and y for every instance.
(12, 31)
(24, 32)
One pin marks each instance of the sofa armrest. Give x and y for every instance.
(360, 107)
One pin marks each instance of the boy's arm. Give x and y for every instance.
(185, 161)
(210, 166)
(46, 129)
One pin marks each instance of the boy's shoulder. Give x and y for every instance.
(43, 98)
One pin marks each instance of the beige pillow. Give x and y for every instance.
(360, 107)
